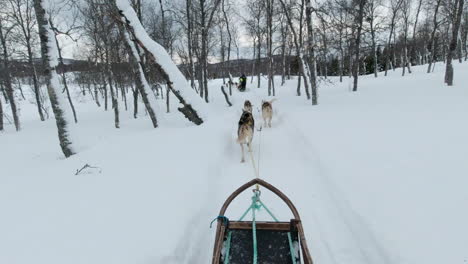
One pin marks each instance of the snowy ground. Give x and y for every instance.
(379, 176)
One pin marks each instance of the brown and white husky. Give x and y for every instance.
(267, 112)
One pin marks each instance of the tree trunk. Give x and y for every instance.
(311, 43)
(139, 75)
(1, 115)
(64, 77)
(189, 43)
(135, 103)
(168, 106)
(49, 51)
(35, 83)
(388, 55)
(453, 42)
(415, 26)
(253, 60)
(304, 66)
(357, 44)
(115, 103)
(229, 44)
(7, 79)
(259, 48)
(433, 33)
(374, 47)
(270, 46)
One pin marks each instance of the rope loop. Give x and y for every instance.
(222, 217)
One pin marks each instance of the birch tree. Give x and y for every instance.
(4, 31)
(22, 13)
(359, 16)
(457, 17)
(49, 52)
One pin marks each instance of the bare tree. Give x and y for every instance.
(49, 51)
(139, 72)
(415, 27)
(372, 7)
(406, 9)
(457, 15)
(395, 6)
(434, 30)
(64, 77)
(207, 12)
(269, 20)
(1, 115)
(312, 72)
(23, 15)
(357, 41)
(6, 73)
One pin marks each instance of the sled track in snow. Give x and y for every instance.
(368, 248)
(335, 232)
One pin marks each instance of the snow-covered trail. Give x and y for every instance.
(288, 160)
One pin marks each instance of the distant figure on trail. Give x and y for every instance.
(242, 83)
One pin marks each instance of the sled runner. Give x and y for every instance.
(256, 242)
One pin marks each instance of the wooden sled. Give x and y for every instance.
(246, 242)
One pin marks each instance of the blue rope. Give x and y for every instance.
(224, 218)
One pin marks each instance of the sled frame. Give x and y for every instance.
(221, 226)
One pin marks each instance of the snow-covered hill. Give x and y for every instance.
(379, 176)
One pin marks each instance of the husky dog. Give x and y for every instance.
(248, 106)
(245, 131)
(267, 112)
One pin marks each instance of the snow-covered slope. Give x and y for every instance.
(379, 176)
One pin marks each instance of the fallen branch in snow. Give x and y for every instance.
(168, 106)
(225, 95)
(187, 110)
(87, 166)
(8, 119)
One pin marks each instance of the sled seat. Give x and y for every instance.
(273, 245)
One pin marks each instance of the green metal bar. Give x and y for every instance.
(291, 248)
(228, 248)
(254, 236)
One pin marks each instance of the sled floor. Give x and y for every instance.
(273, 246)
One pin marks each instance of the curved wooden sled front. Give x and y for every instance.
(221, 226)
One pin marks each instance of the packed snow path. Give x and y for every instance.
(378, 176)
(289, 161)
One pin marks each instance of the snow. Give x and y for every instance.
(378, 176)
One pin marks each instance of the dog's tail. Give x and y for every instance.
(272, 100)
